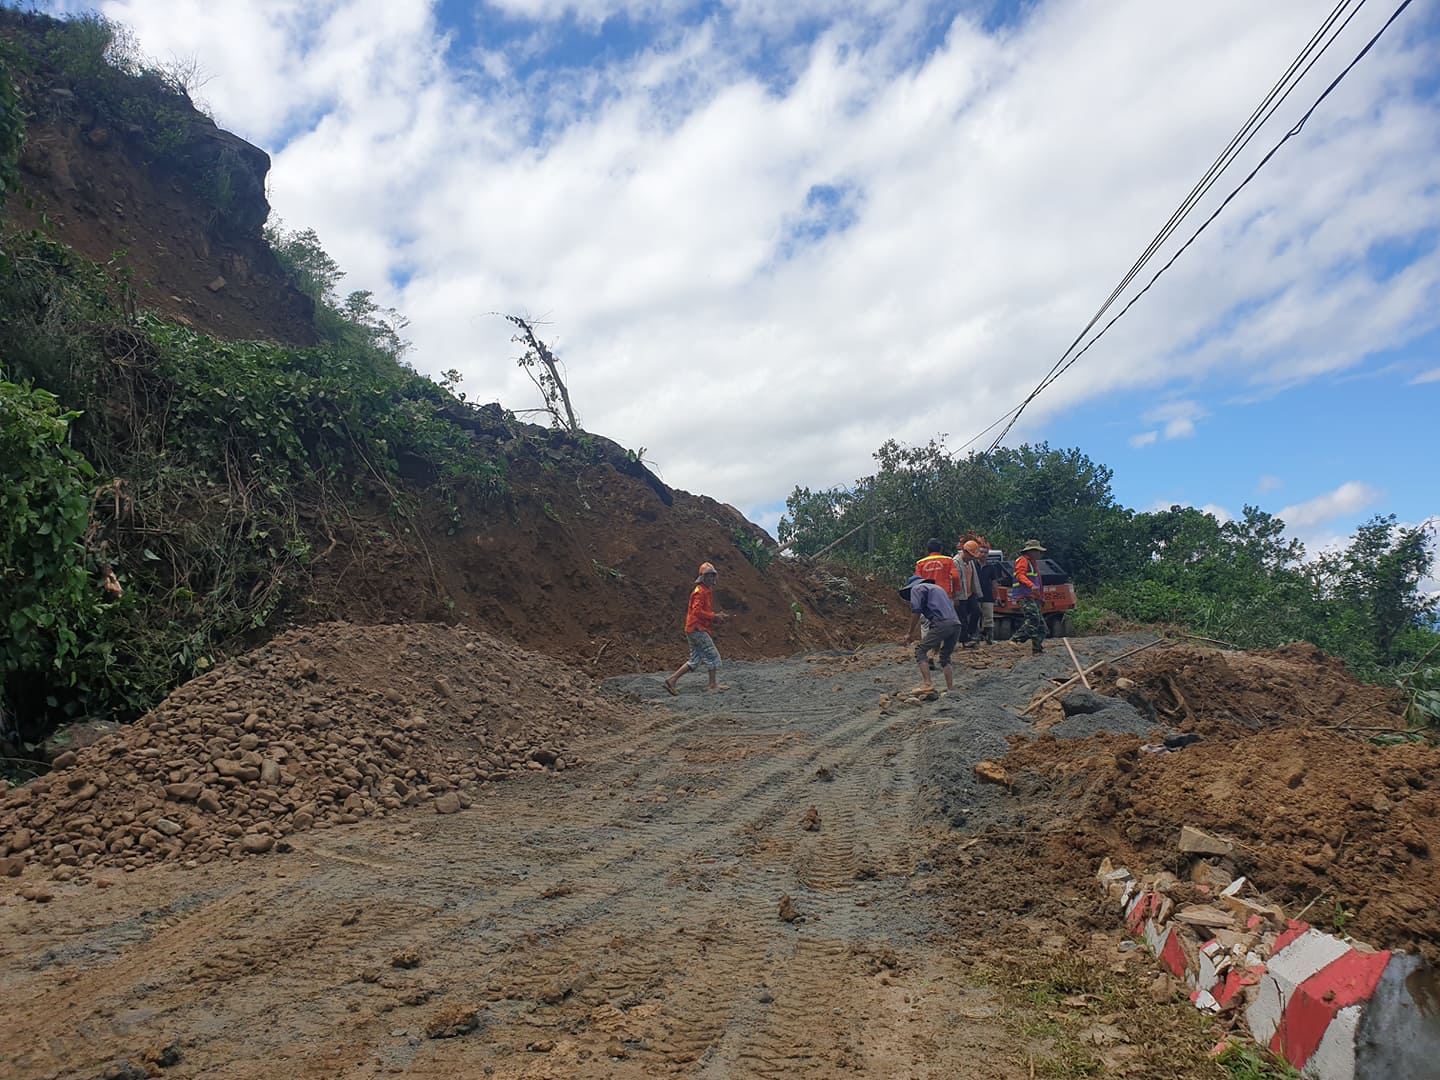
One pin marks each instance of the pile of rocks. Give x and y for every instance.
(320, 727)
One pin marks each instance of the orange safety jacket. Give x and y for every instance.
(1027, 577)
(700, 615)
(941, 570)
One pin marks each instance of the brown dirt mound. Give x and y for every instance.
(320, 727)
(1194, 688)
(1321, 819)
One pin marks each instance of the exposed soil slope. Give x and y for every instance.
(96, 186)
(591, 558)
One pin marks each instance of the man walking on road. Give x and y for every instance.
(930, 602)
(1027, 593)
(700, 617)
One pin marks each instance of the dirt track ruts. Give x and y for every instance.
(617, 920)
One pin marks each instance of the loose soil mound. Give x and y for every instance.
(1321, 819)
(320, 727)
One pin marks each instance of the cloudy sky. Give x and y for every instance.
(767, 235)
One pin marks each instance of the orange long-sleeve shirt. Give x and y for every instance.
(700, 615)
(941, 570)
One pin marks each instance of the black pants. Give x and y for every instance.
(969, 614)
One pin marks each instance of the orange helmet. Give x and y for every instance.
(972, 548)
(706, 568)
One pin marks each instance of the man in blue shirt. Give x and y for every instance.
(932, 602)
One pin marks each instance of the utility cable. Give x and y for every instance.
(1056, 372)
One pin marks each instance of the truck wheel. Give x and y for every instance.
(1067, 625)
(1004, 627)
(1055, 625)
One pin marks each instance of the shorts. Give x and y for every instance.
(943, 635)
(702, 651)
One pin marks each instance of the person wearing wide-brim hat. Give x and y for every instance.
(1027, 594)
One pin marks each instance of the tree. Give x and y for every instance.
(1378, 578)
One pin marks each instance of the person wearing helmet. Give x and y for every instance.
(700, 618)
(968, 561)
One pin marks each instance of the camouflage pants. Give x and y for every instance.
(1032, 625)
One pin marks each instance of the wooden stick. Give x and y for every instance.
(1076, 661)
(1040, 701)
(1213, 641)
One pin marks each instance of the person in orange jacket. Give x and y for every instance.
(700, 618)
(1027, 592)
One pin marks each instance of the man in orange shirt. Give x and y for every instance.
(940, 568)
(700, 617)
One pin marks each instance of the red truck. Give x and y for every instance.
(1056, 602)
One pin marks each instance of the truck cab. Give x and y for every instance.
(1057, 597)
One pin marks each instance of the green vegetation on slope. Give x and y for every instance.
(206, 471)
(1241, 581)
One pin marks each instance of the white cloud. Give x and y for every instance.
(1145, 438)
(1349, 498)
(647, 207)
(1219, 513)
(1433, 375)
(1268, 483)
(1182, 427)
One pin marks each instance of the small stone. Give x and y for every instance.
(616, 1049)
(39, 894)
(541, 1046)
(210, 802)
(449, 803)
(20, 840)
(406, 958)
(452, 1021)
(183, 792)
(257, 843)
(216, 285)
(12, 866)
(787, 909)
(65, 760)
(811, 821)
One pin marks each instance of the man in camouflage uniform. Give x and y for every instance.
(1026, 592)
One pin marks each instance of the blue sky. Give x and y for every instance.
(765, 236)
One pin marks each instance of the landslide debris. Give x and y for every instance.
(320, 727)
(1321, 819)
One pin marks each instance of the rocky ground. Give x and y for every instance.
(804, 876)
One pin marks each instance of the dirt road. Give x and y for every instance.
(623, 919)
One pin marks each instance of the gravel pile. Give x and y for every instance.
(320, 727)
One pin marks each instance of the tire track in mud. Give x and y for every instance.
(621, 917)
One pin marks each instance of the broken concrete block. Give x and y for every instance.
(1205, 915)
(1194, 842)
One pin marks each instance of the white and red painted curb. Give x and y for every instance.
(1333, 1008)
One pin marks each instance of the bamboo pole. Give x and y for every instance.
(1076, 661)
(1114, 660)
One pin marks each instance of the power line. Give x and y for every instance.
(1237, 144)
(1014, 414)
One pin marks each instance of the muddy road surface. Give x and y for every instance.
(738, 884)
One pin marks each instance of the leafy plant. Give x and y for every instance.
(47, 602)
(757, 553)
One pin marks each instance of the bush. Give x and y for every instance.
(48, 606)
